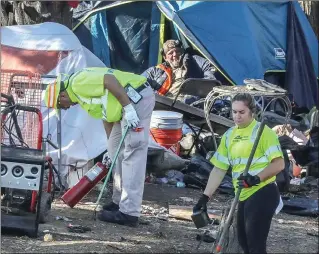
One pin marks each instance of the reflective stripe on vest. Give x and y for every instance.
(272, 149)
(244, 161)
(168, 82)
(235, 175)
(221, 158)
(227, 137)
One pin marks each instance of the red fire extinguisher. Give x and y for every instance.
(85, 185)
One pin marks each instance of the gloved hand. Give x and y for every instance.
(130, 116)
(106, 160)
(248, 181)
(201, 204)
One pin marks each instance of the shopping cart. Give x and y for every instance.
(22, 134)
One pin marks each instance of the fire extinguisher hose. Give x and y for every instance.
(110, 170)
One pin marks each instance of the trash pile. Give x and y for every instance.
(160, 213)
(191, 167)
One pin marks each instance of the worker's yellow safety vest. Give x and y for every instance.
(86, 87)
(235, 148)
(237, 161)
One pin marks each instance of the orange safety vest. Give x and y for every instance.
(168, 82)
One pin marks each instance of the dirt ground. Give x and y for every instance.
(289, 234)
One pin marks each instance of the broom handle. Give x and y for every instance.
(111, 168)
(235, 201)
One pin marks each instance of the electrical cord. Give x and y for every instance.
(211, 98)
(208, 106)
(59, 178)
(8, 125)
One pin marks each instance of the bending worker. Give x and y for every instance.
(104, 94)
(260, 196)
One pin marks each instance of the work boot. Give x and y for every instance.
(118, 218)
(111, 207)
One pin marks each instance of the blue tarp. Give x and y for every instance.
(243, 39)
(300, 74)
(246, 39)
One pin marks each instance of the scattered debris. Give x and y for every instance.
(187, 199)
(142, 221)
(207, 237)
(174, 176)
(162, 216)
(280, 221)
(160, 234)
(293, 188)
(299, 137)
(115, 247)
(62, 218)
(311, 181)
(161, 180)
(313, 233)
(150, 178)
(180, 185)
(296, 181)
(6, 209)
(78, 228)
(47, 238)
(156, 226)
(160, 213)
(89, 203)
(123, 239)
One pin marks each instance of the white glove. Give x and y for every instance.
(106, 159)
(130, 116)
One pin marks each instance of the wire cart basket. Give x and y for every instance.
(21, 118)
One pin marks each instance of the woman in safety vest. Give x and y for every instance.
(260, 196)
(120, 99)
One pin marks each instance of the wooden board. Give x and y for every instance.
(185, 212)
(192, 111)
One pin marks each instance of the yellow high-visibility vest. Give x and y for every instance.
(86, 87)
(234, 150)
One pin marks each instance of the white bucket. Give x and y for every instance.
(168, 120)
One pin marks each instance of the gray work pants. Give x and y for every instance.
(130, 167)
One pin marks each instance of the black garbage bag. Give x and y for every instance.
(283, 178)
(287, 143)
(314, 137)
(197, 173)
(199, 165)
(300, 206)
(309, 154)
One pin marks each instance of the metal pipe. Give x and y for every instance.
(59, 140)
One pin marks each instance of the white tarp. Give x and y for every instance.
(83, 137)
